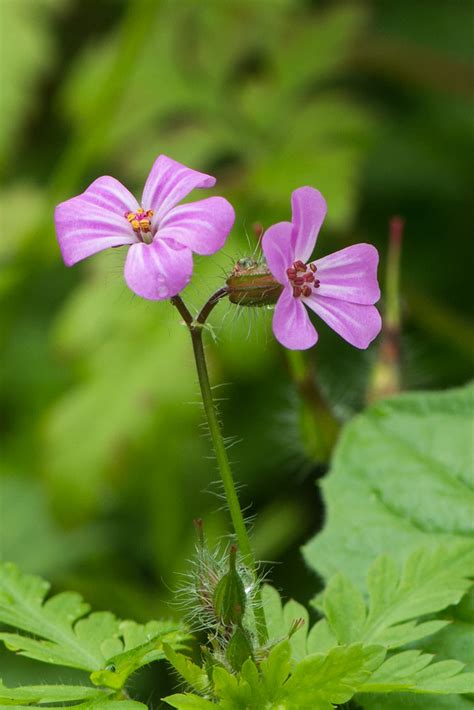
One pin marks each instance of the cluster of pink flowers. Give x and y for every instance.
(162, 235)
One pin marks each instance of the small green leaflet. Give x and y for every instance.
(38, 695)
(280, 620)
(318, 682)
(321, 681)
(142, 644)
(27, 695)
(431, 580)
(66, 634)
(189, 702)
(88, 705)
(413, 671)
(194, 675)
(250, 689)
(409, 701)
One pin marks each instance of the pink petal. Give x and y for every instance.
(358, 324)
(159, 270)
(278, 249)
(309, 210)
(202, 226)
(291, 324)
(95, 220)
(167, 184)
(350, 274)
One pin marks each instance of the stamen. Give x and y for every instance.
(301, 278)
(140, 222)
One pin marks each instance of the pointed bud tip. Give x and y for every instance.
(199, 527)
(258, 229)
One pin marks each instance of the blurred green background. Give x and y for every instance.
(104, 460)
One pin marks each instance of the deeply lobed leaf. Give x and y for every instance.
(63, 633)
(431, 580)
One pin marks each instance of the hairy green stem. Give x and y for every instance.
(195, 328)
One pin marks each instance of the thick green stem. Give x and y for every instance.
(195, 328)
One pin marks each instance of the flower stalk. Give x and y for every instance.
(386, 377)
(195, 327)
(320, 426)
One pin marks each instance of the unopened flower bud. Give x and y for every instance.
(252, 284)
(258, 229)
(229, 595)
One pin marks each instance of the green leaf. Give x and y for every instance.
(322, 680)
(411, 488)
(250, 689)
(430, 581)
(142, 644)
(280, 620)
(321, 638)
(345, 609)
(106, 702)
(251, 676)
(413, 670)
(402, 477)
(195, 676)
(66, 635)
(275, 670)
(453, 641)
(23, 605)
(405, 701)
(273, 609)
(115, 705)
(233, 691)
(184, 701)
(27, 695)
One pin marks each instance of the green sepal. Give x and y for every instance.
(252, 284)
(239, 649)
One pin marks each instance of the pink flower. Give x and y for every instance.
(162, 236)
(341, 287)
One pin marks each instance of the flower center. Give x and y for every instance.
(302, 278)
(141, 224)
